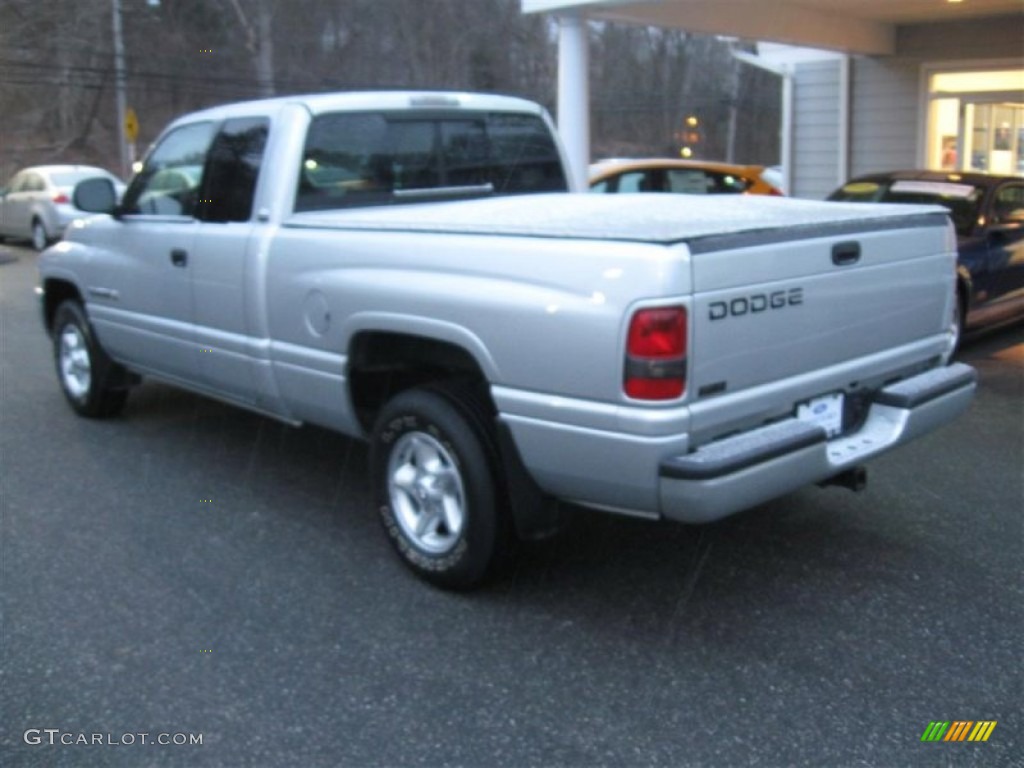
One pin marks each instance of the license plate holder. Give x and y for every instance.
(825, 411)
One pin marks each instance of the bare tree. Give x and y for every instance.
(56, 69)
(256, 18)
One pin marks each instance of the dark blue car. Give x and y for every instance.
(988, 213)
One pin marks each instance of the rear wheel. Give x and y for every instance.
(39, 237)
(435, 468)
(93, 384)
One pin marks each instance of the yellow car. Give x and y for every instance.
(688, 177)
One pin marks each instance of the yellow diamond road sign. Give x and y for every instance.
(131, 125)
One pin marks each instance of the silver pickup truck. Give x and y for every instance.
(412, 269)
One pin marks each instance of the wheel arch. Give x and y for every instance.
(964, 293)
(55, 292)
(384, 363)
(964, 285)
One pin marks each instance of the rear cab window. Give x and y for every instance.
(357, 159)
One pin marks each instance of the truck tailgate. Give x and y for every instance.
(769, 309)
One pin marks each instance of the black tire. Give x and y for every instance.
(434, 463)
(94, 385)
(40, 239)
(957, 325)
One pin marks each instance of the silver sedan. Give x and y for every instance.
(36, 205)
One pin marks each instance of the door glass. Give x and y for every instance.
(168, 184)
(232, 168)
(1009, 204)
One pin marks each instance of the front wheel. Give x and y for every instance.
(435, 468)
(93, 384)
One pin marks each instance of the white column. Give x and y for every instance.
(786, 130)
(845, 96)
(574, 97)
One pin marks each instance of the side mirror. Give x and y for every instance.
(95, 196)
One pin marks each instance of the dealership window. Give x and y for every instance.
(976, 121)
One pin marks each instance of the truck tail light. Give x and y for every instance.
(656, 354)
(60, 197)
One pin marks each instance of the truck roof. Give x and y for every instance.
(318, 103)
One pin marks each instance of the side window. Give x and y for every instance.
(232, 168)
(633, 181)
(600, 187)
(727, 183)
(688, 182)
(168, 184)
(28, 182)
(696, 181)
(1009, 204)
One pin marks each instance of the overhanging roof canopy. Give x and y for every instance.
(853, 26)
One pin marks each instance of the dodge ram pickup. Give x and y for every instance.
(413, 269)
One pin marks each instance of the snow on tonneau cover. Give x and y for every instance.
(647, 218)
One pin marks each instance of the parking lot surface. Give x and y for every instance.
(189, 569)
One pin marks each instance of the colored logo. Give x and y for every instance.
(958, 730)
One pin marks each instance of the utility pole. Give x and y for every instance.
(122, 105)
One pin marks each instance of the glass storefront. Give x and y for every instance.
(976, 121)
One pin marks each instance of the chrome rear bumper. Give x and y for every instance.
(733, 474)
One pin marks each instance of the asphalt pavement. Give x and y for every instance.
(189, 572)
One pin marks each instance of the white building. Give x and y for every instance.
(873, 85)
